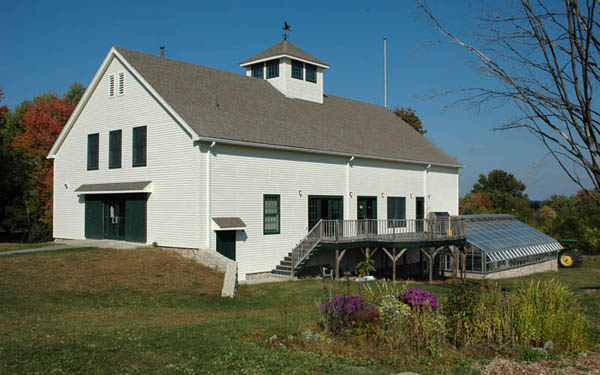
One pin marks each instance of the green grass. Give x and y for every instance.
(147, 311)
(21, 246)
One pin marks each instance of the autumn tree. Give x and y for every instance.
(543, 59)
(409, 116)
(40, 123)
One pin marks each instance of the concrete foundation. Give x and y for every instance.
(549, 265)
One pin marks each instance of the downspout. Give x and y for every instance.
(347, 200)
(209, 195)
(425, 197)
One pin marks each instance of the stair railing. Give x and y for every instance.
(308, 243)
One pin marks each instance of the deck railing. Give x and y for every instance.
(377, 230)
(384, 230)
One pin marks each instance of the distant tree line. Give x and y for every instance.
(27, 133)
(576, 216)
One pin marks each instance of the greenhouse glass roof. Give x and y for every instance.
(504, 237)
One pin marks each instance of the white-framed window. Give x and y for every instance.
(121, 83)
(111, 85)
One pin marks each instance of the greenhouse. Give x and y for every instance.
(502, 242)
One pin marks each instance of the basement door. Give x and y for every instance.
(226, 243)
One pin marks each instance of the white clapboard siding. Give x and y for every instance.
(442, 190)
(172, 163)
(242, 175)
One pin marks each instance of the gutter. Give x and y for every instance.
(321, 152)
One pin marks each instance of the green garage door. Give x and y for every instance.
(135, 213)
(116, 216)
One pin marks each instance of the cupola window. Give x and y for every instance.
(297, 69)
(273, 68)
(311, 73)
(258, 70)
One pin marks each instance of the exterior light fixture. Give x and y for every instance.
(350, 194)
(300, 192)
(411, 195)
(382, 195)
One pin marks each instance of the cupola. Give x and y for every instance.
(294, 72)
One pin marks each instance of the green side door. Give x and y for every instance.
(93, 216)
(226, 243)
(135, 218)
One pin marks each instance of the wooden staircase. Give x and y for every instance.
(301, 255)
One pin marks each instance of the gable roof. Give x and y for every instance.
(284, 47)
(222, 105)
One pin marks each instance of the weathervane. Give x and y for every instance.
(286, 27)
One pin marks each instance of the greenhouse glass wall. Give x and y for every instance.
(501, 242)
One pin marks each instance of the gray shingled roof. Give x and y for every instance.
(220, 104)
(119, 186)
(229, 222)
(284, 48)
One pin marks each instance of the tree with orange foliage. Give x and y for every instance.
(476, 203)
(42, 123)
(409, 116)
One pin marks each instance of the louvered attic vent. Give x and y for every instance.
(111, 85)
(121, 83)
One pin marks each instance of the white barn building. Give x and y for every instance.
(182, 155)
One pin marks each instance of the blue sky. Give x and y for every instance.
(49, 45)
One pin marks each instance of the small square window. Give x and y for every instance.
(311, 73)
(273, 68)
(258, 70)
(297, 69)
(271, 214)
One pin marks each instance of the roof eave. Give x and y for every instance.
(252, 62)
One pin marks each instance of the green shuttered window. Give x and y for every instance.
(273, 68)
(114, 149)
(396, 212)
(92, 151)
(271, 216)
(297, 69)
(311, 73)
(139, 146)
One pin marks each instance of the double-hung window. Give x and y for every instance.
(297, 69)
(139, 146)
(114, 149)
(271, 214)
(92, 151)
(396, 212)
(273, 68)
(311, 73)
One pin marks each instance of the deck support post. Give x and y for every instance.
(394, 258)
(338, 258)
(430, 254)
(464, 263)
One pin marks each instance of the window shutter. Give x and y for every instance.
(92, 151)
(114, 149)
(139, 146)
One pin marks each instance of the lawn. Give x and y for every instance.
(152, 311)
(8, 246)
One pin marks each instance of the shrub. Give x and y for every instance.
(344, 312)
(419, 297)
(392, 311)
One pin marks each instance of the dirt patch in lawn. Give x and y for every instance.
(144, 270)
(584, 363)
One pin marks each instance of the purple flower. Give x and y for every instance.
(419, 297)
(345, 311)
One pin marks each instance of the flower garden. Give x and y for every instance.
(391, 320)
